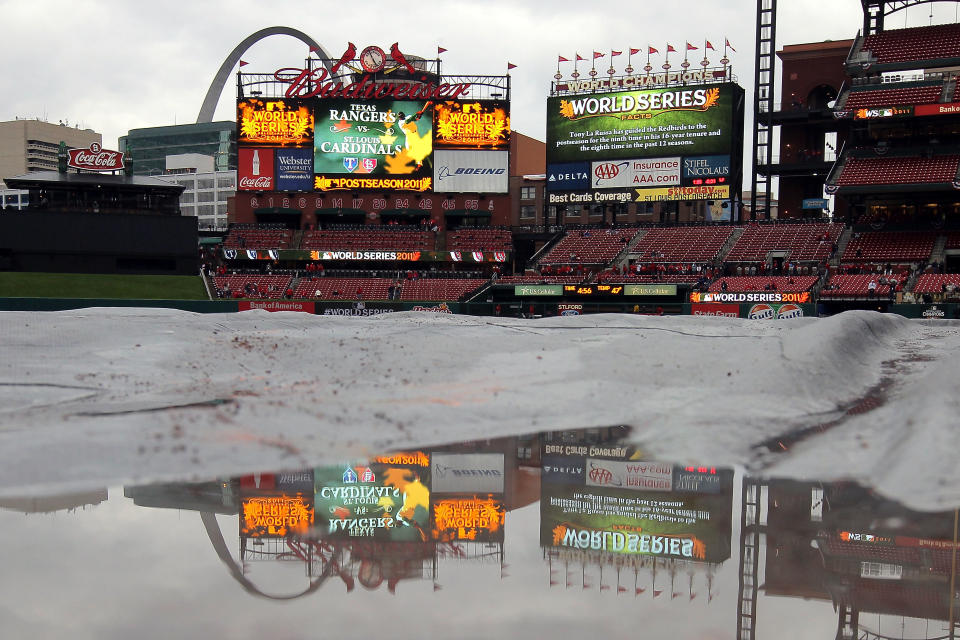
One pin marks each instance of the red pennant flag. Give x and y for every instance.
(440, 50)
(615, 53)
(727, 44)
(670, 49)
(562, 59)
(510, 65)
(633, 51)
(597, 55)
(314, 49)
(710, 46)
(690, 47)
(580, 57)
(651, 50)
(243, 64)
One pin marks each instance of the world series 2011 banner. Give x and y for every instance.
(636, 507)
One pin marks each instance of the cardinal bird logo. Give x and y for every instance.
(399, 58)
(347, 56)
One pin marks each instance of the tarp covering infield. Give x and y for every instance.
(105, 396)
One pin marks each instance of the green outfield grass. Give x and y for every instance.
(88, 285)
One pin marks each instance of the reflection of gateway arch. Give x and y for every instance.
(220, 80)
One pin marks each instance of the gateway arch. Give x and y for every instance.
(220, 80)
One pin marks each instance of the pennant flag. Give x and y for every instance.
(670, 49)
(440, 50)
(727, 44)
(562, 59)
(651, 50)
(580, 57)
(243, 64)
(690, 47)
(314, 50)
(510, 65)
(709, 46)
(597, 55)
(633, 51)
(615, 53)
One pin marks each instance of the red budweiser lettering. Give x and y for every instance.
(307, 83)
(95, 159)
(263, 182)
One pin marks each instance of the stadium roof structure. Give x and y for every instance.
(55, 179)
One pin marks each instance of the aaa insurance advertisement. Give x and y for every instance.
(668, 122)
(636, 508)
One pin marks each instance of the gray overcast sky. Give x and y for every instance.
(114, 66)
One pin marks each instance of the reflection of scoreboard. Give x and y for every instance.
(276, 505)
(636, 507)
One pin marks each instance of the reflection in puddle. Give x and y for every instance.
(559, 532)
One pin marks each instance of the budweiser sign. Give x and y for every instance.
(261, 183)
(95, 158)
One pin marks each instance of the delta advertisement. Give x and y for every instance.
(650, 123)
(636, 508)
(387, 498)
(373, 138)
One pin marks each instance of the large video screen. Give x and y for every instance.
(671, 143)
(373, 138)
(651, 123)
(387, 498)
(636, 508)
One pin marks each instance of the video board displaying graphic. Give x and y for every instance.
(373, 138)
(636, 507)
(276, 505)
(274, 123)
(664, 144)
(477, 124)
(387, 498)
(477, 518)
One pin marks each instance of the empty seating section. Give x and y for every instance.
(742, 284)
(854, 285)
(953, 240)
(934, 282)
(432, 289)
(595, 246)
(367, 239)
(898, 170)
(890, 246)
(257, 238)
(480, 240)
(343, 288)
(801, 242)
(919, 43)
(682, 244)
(252, 286)
(438, 289)
(862, 98)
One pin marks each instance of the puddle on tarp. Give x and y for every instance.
(559, 534)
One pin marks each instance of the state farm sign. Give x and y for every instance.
(95, 158)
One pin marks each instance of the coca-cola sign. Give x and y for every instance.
(255, 171)
(95, 158)
(260, 183)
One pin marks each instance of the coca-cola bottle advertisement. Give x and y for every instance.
(256, 170)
